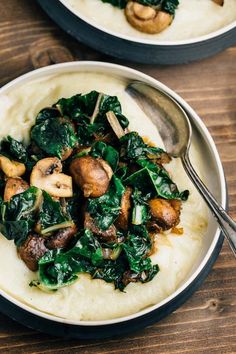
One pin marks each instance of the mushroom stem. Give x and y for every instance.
(115, 124)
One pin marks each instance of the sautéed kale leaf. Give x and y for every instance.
(133, 148)
(106, 152)
(51, 215)
(18, 215)
(166, 5)
(58, 268)
(105, 209)
(54, 135)
(14, 150)
(154, 176)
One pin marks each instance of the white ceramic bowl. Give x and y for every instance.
(211, 244)
(136, 49)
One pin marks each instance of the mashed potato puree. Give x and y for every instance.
(193, 18)
(89, 299)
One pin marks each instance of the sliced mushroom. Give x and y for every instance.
(32, 250)
(47, 175)
(11, 168)
(108, 235)
(123, 218)
(14, 186)
(165, 213)
(91, 175)
(219, 2)
(147, 19)
(62, 238)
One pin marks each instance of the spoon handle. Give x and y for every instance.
(227, 225)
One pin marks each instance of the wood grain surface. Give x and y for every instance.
(207, 322)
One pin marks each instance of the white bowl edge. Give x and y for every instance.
(203, 38)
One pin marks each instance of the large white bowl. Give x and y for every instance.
(211, 244)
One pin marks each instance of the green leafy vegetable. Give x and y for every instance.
(58, 268)
(133, 148)
(118, 3)
(166, 5)
(140, 212)
(13, 149)
(137, 248)
(81, 108)
(51, 215)
(18, 215)
(105, 209)
(107, 152)
(154, 176)
(54, 136)
(47, 113)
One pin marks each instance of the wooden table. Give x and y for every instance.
(207, 322)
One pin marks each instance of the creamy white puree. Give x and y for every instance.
(95, 299)
(193, 18)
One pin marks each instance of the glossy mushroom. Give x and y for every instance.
(91, 175)
(165, 213)
(147, 19)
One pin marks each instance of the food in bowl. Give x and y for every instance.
(171, 20)
(133, 246)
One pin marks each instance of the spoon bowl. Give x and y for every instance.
(175, 130)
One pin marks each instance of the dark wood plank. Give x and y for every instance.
(207, 321)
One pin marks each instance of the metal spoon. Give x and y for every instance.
(175, 130)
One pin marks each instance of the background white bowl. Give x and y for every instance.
(141, 50)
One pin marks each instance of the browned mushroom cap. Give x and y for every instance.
(165, 213)
(91, 175)
(32, 250)
(123, 218)
(14, 186)
(147, 19)
(108, 235)
(219, 2)
(62, 238)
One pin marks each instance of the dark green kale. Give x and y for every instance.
(14, 150)
(47, 113)
(105, 209)
(106, 152)
(133, 148)
(73, 206)
(18, 215)
(54, 136)
(140, 211)
(166, 5)
(157, 178)
(118, 3)
(89, 113)
(52, 216)
(137, 248)
(58, 268)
